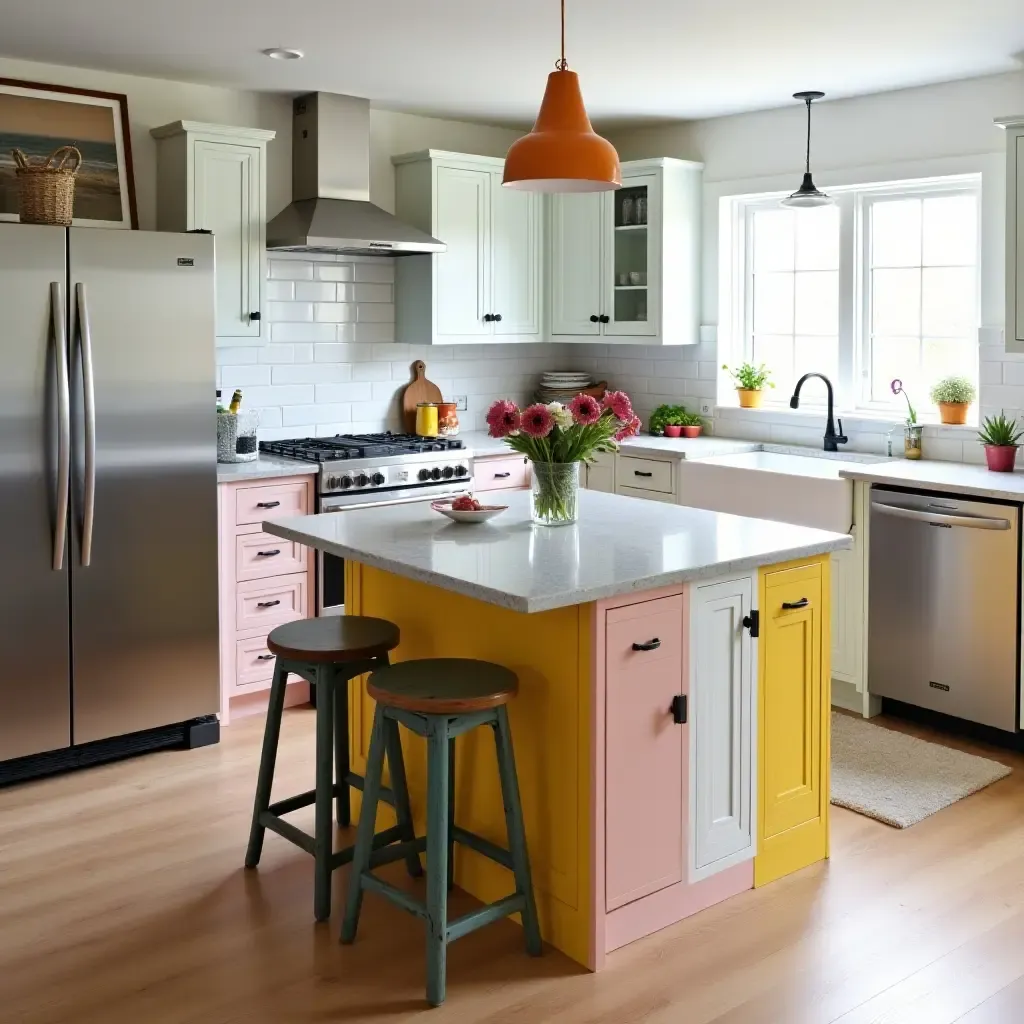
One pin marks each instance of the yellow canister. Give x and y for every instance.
(426, 419)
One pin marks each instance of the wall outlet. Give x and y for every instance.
(461, 402)
(707, 407)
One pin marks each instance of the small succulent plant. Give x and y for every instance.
(1000, 432)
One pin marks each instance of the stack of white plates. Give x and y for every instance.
(561, 386)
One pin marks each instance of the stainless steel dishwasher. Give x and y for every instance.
(944, 604)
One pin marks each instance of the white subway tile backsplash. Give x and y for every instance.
(262, 397)
(312, 373)
(302, 353)
(289, 312)
(375, 333)
(316, 291)
(291, 270)
(382, 271)
(354, 392)
(335, 312)
(334, 271)
(303, 332)
(373, 293)
(245, 376)
(280, 291)
(321, 412)
(375, 312)
(243, 356)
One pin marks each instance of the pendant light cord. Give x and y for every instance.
(808, 159)
(562, 64)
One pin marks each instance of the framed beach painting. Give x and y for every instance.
(37, 119)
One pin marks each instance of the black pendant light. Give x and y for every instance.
(808, 195)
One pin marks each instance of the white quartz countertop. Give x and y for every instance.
(930, 474)
(266, 467)
(619, 546)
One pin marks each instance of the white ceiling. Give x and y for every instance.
(486, 59)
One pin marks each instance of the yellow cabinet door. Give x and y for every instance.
(793, 778)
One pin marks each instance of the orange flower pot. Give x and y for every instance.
(953, 412)
(749, 398)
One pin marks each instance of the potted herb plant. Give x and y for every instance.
(912, 430)
(750, 382)
(692, 425)
(953, 396)
(1001, 437)
(665, 418)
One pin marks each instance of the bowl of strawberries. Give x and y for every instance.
(466, 509)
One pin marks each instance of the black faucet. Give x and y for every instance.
(832, 439)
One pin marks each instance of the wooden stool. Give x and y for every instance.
(441, 698)
(327, 652)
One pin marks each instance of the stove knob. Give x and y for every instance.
(330, 482)
(448, 472)
(362, 480)
(435, 474)
(377, 478)
(423, 474)
(461, 471)
(346, 482)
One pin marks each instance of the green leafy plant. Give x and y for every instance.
(666, 416)
(750, 377)
(691, 419)
(954, 389)
(1001, 432)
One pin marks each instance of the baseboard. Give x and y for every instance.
(846, 696)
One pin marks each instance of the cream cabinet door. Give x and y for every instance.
(577, 273)
(462, 279)
(601, 474)
(226, 199)
(517, 226)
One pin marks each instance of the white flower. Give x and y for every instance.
(562, 416)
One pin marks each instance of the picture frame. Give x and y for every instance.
(39, 118)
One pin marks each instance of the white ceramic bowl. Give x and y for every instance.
(480, 515)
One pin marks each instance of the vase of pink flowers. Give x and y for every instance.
(556, 438)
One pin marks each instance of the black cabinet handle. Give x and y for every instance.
(254, 317)
(267, 504)
(790, 605)
(595, 319)
(488, 317)
(605, 318)
(496, 318)
(638, 472)
(678, 709)
(268, 554)
(501, 476)
(266, 604)
(651, 645)
(265, 657)
(753, 623)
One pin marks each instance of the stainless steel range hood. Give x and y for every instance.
(331, 210)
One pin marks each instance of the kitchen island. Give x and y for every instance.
(671, 727)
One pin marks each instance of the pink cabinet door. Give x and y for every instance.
(646, 751)
(507, 473)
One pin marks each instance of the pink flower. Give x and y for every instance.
(620, 405)
(503, 418)
(537, 420)
(630, 429)
(585, 409)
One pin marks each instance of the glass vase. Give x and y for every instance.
(555, 493)
(912, 440)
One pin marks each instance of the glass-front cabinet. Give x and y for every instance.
(625, 264)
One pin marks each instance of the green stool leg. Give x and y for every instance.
(323, 833)
(516, 831)
(400, 787)
(268, 759)
(437, 857)
(451, 812)
(341, 752)
(364, 833)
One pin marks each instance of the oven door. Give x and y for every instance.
(330, 569)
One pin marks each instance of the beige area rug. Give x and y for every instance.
(901, 779)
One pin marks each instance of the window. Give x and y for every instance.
(882, 284)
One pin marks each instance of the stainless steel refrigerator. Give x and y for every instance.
(108, 521)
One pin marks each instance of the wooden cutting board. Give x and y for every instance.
(419, 390)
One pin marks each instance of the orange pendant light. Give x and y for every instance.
(563, 153)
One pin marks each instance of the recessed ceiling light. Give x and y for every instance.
(281, 53)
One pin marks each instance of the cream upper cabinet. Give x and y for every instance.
(213, 178)
(1014, 232)
(487, 285)
(625, 265)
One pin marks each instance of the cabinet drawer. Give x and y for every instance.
(253, 662)
(504, 473)
(644, 474)
(260, 603)
(258, 555)
(271, 501)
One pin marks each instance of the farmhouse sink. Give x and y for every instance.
(800, 489)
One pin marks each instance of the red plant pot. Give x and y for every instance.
(1001, 457)
(692, 431)
(673, 430)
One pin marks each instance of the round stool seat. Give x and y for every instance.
(334, 638)
(443, 686)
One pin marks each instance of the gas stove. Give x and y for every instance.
(361, 469)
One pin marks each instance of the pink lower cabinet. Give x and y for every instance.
(264, 581)
(501, 473)
(673, 795)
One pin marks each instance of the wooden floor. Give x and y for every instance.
(123, 901)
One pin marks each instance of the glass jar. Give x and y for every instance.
(555, 493)
(912, 440)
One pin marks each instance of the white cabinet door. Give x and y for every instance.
(461, 283)
(577, 277)
(632, 266)
(226, 197)
(847, 613)
(517, 225)
(723, 702)
(601, 474)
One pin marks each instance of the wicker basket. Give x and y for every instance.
(47, 189)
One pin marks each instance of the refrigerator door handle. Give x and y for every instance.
(89, 394)
(60, 344)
